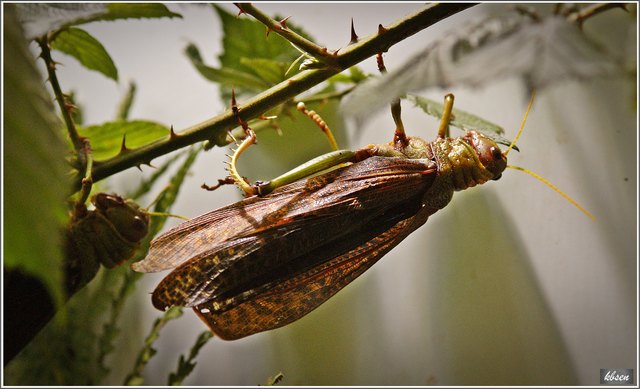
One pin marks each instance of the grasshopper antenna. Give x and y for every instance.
(524, 120)
(535, 175)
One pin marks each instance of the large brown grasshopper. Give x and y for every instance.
(273, 257)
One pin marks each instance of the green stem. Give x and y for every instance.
(87, 181)
(280, 93)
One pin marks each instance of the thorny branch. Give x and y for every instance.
(216, 127)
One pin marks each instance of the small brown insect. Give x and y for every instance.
(107, 235)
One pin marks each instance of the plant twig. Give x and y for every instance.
(125, 105)
(135, 377)
(280, 93)
(45, 54)
(592, 10)
(280, 28)
(186, 365)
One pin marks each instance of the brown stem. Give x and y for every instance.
(76, 139)
(593, 10)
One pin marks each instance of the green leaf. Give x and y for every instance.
(239, 79)
(251, 60)
(35, 179)
(137, 11)
(106, 139)
(271, 71)
(461, 119)
(39, 19)
(86, 49)
(247, 38)
(355, 76)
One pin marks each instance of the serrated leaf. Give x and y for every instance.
(35, 180)
(461, 119)
(137, 11)
(246, 44)
(247, 38)
(106, 138)
(39, 19)
(541, 53)
(86, 49)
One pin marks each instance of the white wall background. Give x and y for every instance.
(509, 284)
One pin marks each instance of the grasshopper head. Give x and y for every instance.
(488, 152)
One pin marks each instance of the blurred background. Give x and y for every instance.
(508, 285)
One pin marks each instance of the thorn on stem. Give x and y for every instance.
(240, 9)
(381, 29)
(283, 22)
(172, 134)
(123, 146)
(236, 113)
(354, 36)
(234, 104)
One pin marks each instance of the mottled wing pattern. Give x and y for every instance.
(290, 300)
(205, 232)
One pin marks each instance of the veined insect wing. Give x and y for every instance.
(292, 299)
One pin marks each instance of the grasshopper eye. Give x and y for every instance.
(496, 153)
